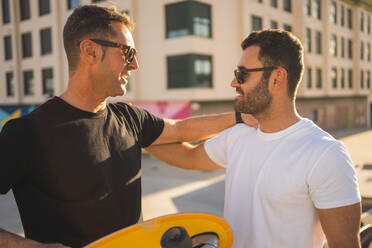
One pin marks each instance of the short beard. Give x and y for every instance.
(257, 100)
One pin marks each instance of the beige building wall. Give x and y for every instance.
(231, 23)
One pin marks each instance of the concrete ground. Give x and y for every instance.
(168, 190)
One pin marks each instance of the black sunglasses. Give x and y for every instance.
(241, 72)
(127, 51)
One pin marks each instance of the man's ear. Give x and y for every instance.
(279, 77)
(89, 51)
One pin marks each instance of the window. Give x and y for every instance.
(362, 50)
(342, 47)
(48, 85)
(190, 71)
(362, 21)
(333, 12)
(318, 42)
(314, 115)
(44, 7)
(350, 48)
(257, 1)
(316, 9)
(45, 41)
(188, 18)
(368, 79)
(6, 11)
(342, 78)
(349, 18)
(28, 80)
(256, 23)
(350, 77)
(368, 52)
(8, 47)
(334, 77)
(287, 5)
(333, 45)
(274, 3)
(309, 78)
(9, 84)
(308, 7)
(308, 40)
(361, 79)
(25, 9)
(342, 13)
(96, 1)
(274, 24)
(26, 45)
(318, 78)
(287, 27)
(369, 24)
(73, 3)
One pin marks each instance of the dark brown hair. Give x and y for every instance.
(90, 21)
(279, 48)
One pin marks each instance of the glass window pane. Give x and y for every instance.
(189, 71)
(274, 24)
(333, 12)
(350, 77)
(8, 47)
(28, 80)
(274, 3)
(10, 84)
(318, 39)
(48, 84)
(349, 18)
(25, 9)
(6, 11)
(44, 7)
(287, 5)
(361, 79)
(26, 45)
(334, 77)
(309, 78)
(46, 41)
(256, 23)
(342, 78)
(318, 78)
(73, 3)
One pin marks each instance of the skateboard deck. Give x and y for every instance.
(184, 230)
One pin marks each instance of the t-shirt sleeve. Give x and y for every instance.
(333, 181)
(149, 127)
(216, 148)
(13, 150)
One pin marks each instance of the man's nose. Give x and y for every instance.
(234, 83)
(133, 65)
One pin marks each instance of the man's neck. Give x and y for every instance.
(82, 97)
(275, 120)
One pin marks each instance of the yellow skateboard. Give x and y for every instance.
(186, 230)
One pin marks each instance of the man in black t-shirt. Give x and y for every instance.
(74, 164)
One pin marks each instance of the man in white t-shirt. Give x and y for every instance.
(288, 182)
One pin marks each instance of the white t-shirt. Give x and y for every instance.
(274, 182)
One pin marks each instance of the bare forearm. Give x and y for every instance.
(203, 127)
(10, 240)
(183, 155)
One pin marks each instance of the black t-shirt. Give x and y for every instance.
(76, 175)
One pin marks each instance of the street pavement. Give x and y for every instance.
(168, 190)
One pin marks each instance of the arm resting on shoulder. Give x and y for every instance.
(10, 240)
(341, 225)
(183, 155)
(199, 127)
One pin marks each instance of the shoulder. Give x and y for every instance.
(126, 109)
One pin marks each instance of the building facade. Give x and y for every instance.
(188, 50)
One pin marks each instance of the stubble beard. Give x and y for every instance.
(255, 102)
